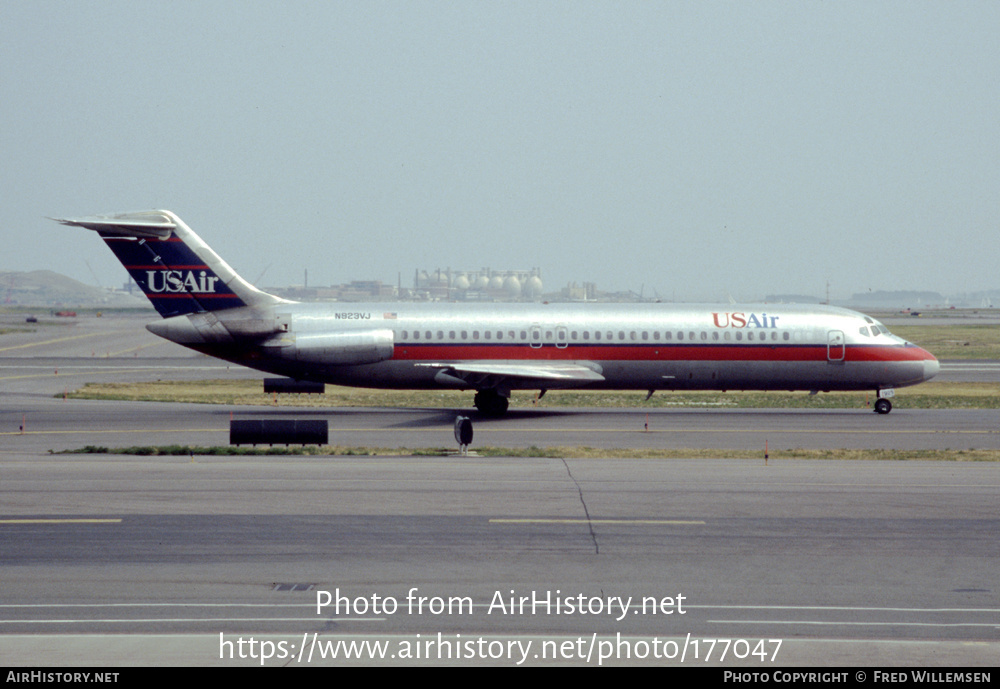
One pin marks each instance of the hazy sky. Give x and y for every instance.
(701, 149)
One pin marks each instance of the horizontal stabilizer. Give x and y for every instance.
(148, 224)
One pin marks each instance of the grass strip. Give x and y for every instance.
(575, 452)
(931, 395)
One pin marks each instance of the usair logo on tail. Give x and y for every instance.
(175, 281)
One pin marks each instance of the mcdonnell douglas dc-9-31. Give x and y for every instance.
(496, 348)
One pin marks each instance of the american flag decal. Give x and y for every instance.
(389, 315)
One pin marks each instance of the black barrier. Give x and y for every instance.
(278, 432)
(463, 430)
(292, 385)
(463, 433)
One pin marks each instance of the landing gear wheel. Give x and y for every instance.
(491, 403)
(883, 406)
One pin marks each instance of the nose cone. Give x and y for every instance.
(931, 366)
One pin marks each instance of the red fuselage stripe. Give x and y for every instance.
(410, 351)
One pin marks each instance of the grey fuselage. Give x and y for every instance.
(646, 346)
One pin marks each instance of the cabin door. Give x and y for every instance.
(835, 347)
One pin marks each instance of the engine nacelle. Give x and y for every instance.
(338, 348)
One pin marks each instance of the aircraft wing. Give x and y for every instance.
(516, 374)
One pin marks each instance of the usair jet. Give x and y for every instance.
(493, 349)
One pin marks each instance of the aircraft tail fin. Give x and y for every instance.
(177, 271)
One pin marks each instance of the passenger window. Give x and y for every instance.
(785, 335)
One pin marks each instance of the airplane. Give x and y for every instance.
(496, 348)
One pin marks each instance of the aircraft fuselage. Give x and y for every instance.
(631, 346)
(497, 348)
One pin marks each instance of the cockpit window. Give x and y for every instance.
(863, 330)
(879, 329)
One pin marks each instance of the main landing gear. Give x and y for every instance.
(491, 403)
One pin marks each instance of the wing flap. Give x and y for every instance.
(517, 374)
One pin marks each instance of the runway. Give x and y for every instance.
(123, 560)
(101, 551)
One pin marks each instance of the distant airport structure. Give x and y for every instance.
(46, 288)
(484, 284)
(356, 290)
